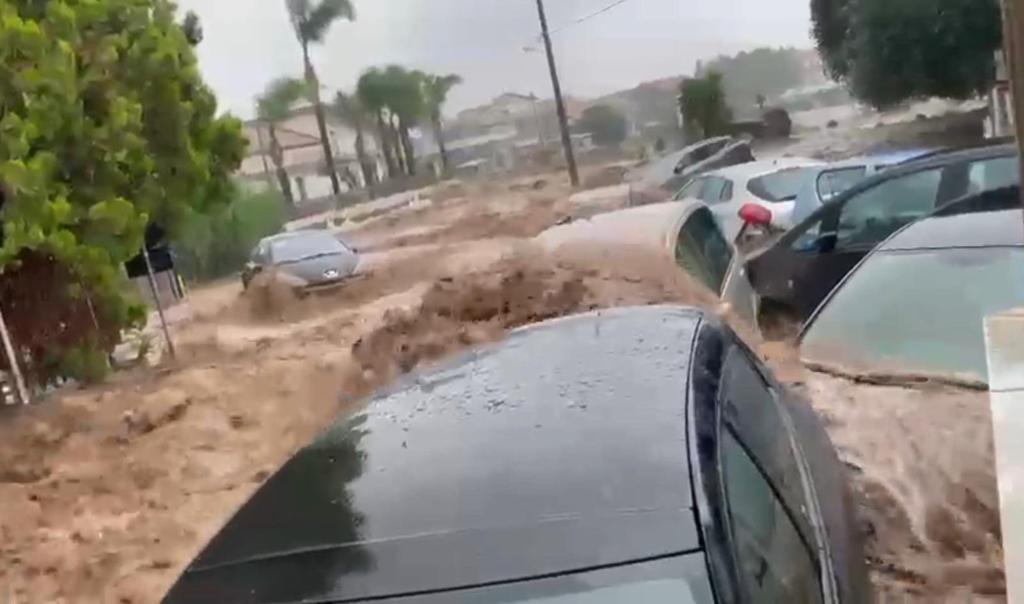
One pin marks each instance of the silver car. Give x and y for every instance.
(303, 260)
(686, 231)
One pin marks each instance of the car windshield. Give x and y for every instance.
(293, 249)
(778, 186)
(676, 580)
(881, 321)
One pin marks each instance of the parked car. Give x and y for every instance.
(628, 455)
(795, 273)
(657, 181)
(768, 187)
(916, 304)
(304, 260)
(828, 181)
(685, 231)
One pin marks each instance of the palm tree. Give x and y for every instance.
(272, 107)
(311, 23)
(372, 92)
(406, 104)
(351, 111)
(435, 93)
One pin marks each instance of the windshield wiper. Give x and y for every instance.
(310, 257)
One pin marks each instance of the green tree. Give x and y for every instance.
(607, 125)
(888, 51)
(350, 110)
(435, 92)
(311, 23)
(751, 76)
(105, 126)
(408, 106)
(703, 104)
(372, 92)
(274, 106)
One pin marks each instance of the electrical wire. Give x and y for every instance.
(587, 17)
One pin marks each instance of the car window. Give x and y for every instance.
(833, 182)
(808, 237)
(993, 174)
(750, 407)
(874, 214)
(726, 191)
(691, 189)
(702, 250)
(711, 192)
(783, 185)
(775, 564)
(931, 322)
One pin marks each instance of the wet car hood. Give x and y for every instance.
(562, 448)
(322, 268)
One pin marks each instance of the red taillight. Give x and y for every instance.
(754, 214)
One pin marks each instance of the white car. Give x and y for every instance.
(684, 231)
(769, 188)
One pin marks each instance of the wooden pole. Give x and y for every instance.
(159, 304)
(563, 120)
(1013, 43)
(12, 361)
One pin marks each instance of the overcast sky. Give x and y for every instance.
(249, 42)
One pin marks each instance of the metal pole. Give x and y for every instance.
(12, 360)
(159, 304)
(1013, 34)
(563, 121)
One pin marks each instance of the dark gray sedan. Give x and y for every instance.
(633, 455)
(304, 260)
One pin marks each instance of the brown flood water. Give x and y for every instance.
(108, 492)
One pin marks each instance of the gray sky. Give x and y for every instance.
(249, 42)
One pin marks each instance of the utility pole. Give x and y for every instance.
(563, 121)
(1013, 43)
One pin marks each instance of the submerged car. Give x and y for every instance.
(657, 181)
(795, 273)
(630, 455)
(684, 231)
(304, 260)
(916, 305)
(767, 187)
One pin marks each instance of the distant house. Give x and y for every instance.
(299, 136)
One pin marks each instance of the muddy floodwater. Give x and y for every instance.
(107, 492)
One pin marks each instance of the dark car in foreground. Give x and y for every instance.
(632, 455)
(916, 305)
(796, 272)
(303, 260)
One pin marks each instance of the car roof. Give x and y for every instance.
(754, 169)
(650, 226)
(559, 449)
(989, 219)
(934, 160)
(301, 234)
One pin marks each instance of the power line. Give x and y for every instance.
(588, 17)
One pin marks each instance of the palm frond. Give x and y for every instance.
(280, 95)
(318, 19)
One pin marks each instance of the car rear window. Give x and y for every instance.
(778, 186)
(881, 321)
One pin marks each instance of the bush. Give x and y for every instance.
(218, 244)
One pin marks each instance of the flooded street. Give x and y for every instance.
(109, 491)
